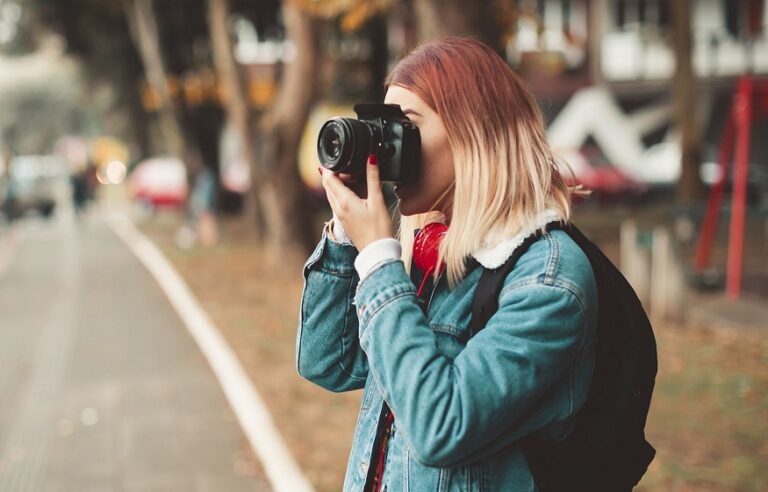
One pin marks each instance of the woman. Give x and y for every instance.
(439, 412)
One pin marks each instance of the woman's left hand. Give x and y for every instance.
(364, 219)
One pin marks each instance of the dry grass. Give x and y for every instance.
(709, 414)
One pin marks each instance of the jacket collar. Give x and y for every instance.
(494, 255)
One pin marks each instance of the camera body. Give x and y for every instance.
(344, 144)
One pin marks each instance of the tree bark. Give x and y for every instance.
(440, 18)
(286, 211)
(690, 188)
(597, 12)
(236, 104)
(143, 27)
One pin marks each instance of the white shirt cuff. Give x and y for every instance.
(377, 252)
(338, 234)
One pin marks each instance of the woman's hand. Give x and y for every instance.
(364, 219)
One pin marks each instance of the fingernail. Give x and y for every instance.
(320, 170)
(372, 160)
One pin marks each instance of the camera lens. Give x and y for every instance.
(344, 144)
(332, 143)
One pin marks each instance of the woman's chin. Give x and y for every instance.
(409, 207)
(403, 206)
(411, 200)
(403, 209)
(405, 202)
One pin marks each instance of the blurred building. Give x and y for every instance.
(603, 70)
(628, 42)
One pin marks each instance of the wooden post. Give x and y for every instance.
(667, 280)
(635, 261)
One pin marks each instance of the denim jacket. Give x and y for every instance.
(460, 406)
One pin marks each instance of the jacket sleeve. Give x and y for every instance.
(456, 411)
(327, 347)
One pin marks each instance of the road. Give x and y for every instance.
(101, 386)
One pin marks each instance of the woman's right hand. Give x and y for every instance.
(355, 182)
(365, 219)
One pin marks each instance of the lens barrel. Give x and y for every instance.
(343, 145)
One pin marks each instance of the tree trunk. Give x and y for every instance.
(236, 104)
(286, 210)
(597, 12)
(690, 188)
(143, 27)
(440, 18)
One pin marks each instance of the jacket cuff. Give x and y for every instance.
(386, 282)
(332, 257)
(387, 249)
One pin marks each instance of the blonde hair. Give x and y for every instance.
(505, 171)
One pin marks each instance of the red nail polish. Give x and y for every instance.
(372, 160)
(320, 170)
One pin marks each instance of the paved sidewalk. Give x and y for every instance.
(10, 236)
(101, 387)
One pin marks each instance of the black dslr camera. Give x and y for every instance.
(344, 144)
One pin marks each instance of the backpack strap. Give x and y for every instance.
(484, 304)
(486, 300)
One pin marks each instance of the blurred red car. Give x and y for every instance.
(589, 168)
(159, 182)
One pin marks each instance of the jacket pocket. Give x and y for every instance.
(450, 340)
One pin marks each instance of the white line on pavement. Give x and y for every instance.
(281, 468)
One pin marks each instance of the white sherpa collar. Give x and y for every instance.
(493, 256)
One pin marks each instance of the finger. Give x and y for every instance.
(333, 183)
(348, 178)
(325, 177)
(354, 183)
(333, 203)
(372, 177)
(343, 196)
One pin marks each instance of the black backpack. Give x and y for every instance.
(606, 450)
